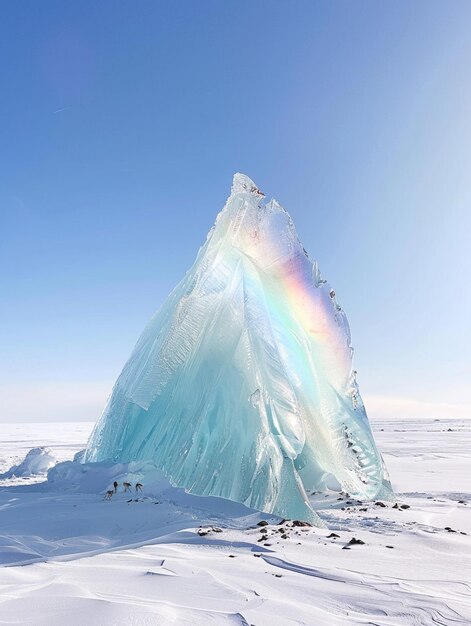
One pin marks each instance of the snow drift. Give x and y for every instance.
(37, 461)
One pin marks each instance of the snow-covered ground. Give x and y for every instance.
(75, 559)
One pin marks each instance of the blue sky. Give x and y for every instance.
(121, 125)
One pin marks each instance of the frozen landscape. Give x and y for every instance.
(238, 408)
(186, 440)
(171, 558)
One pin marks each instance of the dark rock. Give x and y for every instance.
(333, 536)
(404, 506)
(356, 542)
(284, 536)
(390, 547)
(297, 522)
(262, 523)
(379, 503)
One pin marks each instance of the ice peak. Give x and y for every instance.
(241, 385)
(242, 184)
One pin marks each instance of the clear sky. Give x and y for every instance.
(122, 123)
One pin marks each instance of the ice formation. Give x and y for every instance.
(37, 461)
(241, 385)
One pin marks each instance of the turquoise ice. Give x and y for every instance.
(241, 386)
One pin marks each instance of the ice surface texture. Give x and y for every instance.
(241, 386)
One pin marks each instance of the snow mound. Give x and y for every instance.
(76, 477)
(37, 461)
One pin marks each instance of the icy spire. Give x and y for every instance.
(241, 386)
(242, 183)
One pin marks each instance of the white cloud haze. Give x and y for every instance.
(383, 406)
(53, 402)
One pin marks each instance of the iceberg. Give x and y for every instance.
(241, 386)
